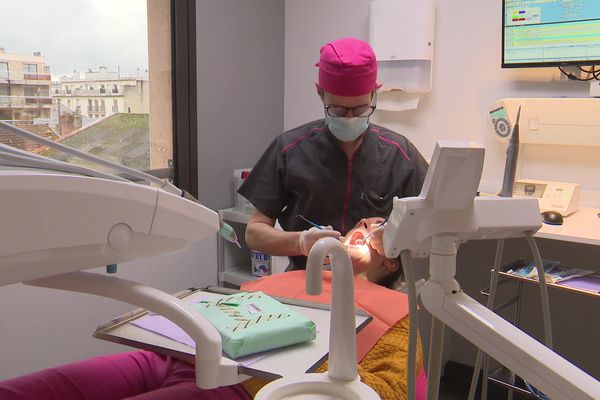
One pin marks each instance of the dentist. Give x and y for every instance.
(334, 171)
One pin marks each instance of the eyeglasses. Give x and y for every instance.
(364, 110)
(341, 111)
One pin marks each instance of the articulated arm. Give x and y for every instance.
(212, 370)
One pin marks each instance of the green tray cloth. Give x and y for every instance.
(253, 322)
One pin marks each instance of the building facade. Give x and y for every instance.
(24, 86)
(100, 93)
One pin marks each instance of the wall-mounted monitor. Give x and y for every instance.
(549, 33)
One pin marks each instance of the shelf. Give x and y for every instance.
(237, 275)
(561, 287)
(233, 215)
(583, 226)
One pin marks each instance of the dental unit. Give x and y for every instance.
(76, 218)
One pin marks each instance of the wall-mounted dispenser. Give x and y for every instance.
(401, 33)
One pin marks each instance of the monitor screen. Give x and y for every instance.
(545, 33)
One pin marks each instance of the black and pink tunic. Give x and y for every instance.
(304, 171)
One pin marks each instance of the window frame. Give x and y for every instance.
(26, 66)
(185, 113)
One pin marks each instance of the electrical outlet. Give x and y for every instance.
(595, 88)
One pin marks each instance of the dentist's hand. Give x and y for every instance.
(308, 238)
(376, 239)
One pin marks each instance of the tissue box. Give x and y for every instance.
(254, 322)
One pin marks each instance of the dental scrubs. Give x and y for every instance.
(305, 172)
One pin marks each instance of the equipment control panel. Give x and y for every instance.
(563, 197)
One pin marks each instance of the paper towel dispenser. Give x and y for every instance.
(401, 34)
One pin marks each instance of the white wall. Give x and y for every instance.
(44, 327)
(466, 78)
(240, 89)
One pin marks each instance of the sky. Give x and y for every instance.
(78, 34)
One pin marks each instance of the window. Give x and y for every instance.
(5, 98)
(30, 91)
(169, 52)
(4, 70)
(30, 68)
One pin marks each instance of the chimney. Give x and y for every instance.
(2, 50)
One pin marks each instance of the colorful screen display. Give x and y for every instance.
(539, 33)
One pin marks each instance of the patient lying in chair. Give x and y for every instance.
(382, 346)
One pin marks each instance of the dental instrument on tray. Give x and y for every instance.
(59, 219)
(310, 222)
(447, 213)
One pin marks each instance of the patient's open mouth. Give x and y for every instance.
(357, 237)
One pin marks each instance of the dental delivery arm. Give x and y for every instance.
(445, 214)
(55, 225)
(56, 221)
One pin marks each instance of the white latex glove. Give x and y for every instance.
(376, 239)
(308, 238)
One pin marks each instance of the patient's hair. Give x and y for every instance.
(390, 280)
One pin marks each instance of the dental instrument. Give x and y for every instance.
(163, 184)
(364, 240)
(446, 213)
(310, 222)
(226, 231)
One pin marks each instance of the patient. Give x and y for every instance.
(141, 375)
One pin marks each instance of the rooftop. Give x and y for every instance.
(120, 138)
(8, 137)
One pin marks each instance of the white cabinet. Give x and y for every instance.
(234, 263)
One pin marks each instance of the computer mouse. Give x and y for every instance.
(552, 218)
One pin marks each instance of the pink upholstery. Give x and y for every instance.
(138, 375)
